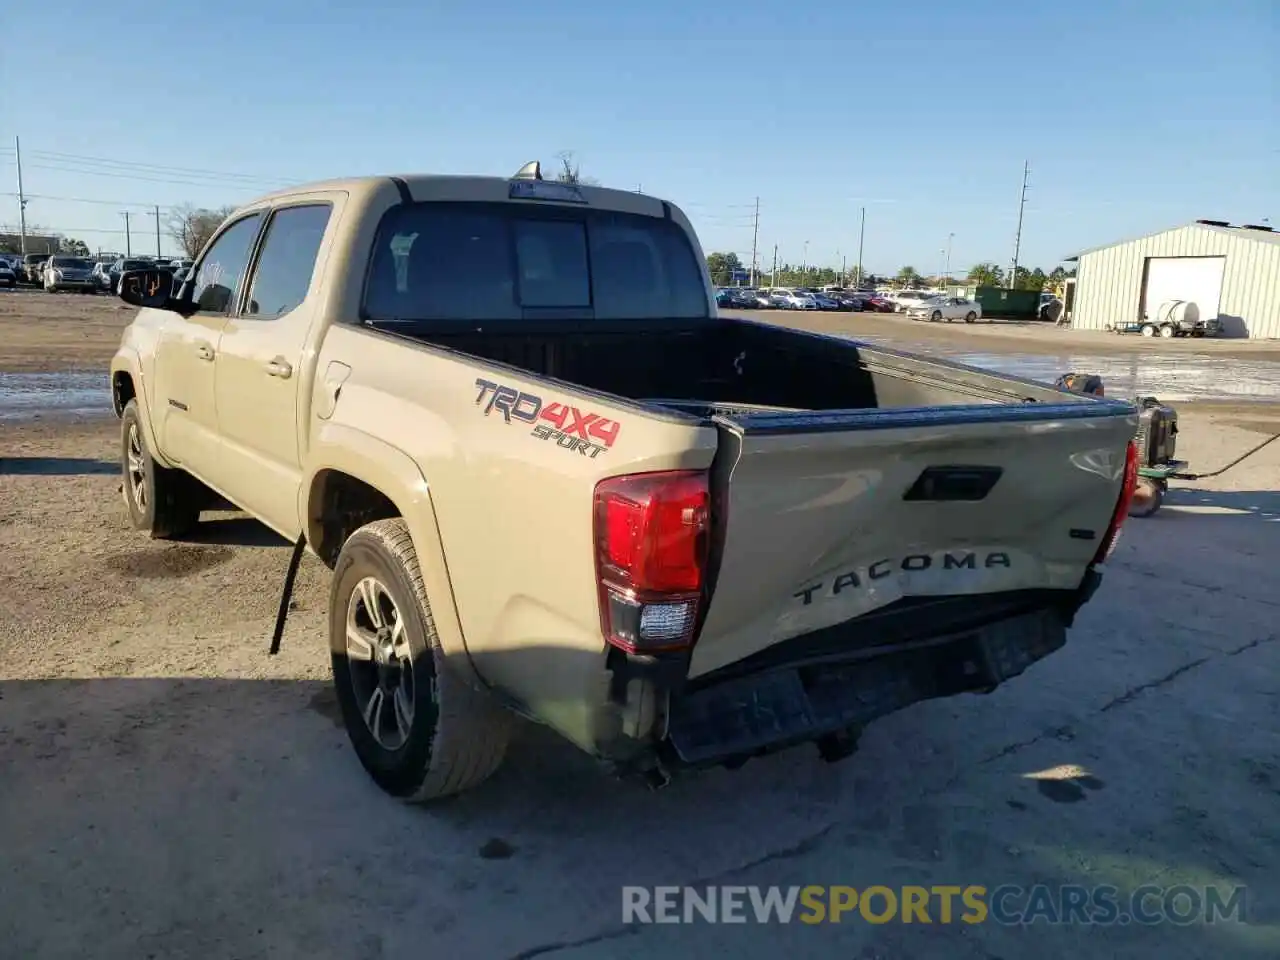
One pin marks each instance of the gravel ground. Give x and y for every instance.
(168, 790)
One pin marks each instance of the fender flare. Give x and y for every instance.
(128, 362)
(397, 476)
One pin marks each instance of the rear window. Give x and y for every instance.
(485, 262)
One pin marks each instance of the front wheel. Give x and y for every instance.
(419, 730)
(164, 502)
(1168, 332)
(1148, 330)
(970, 317)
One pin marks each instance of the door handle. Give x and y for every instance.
(204, 351)
(279, 367)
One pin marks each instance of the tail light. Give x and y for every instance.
(1127, 487)
(651, 535)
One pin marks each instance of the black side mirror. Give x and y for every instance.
(147, 288)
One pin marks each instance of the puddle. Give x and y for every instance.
(1174, 377)
(27, 396)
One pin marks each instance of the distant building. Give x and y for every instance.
(1229, 272)
(36, 243)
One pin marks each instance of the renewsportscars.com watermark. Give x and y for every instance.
(1009, 904)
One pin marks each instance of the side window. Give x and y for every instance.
(288, 259)
(223, 266)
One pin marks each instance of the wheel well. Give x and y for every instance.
(122, 392)
(339, 505)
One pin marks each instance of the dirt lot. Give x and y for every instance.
(42, 332)
(167, 790)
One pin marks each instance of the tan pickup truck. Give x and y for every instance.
(549, 478)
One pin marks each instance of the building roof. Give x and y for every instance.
(1262, 234)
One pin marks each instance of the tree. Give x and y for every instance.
(986, 275)
(908, 276)
(570, 171)
(191, 227)
(73, 247)
(1029, 279)
(722, 266)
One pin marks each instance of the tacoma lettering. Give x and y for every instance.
(853, 579)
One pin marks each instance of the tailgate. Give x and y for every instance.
(829, 516)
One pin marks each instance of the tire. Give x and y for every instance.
(163, 502)
(935, 316)
(1147, 497)
(456, 735)
(1168, 332)
(1148, 330)
(970, 317)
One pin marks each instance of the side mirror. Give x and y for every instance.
(147, 288)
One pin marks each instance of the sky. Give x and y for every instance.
(1134, 116)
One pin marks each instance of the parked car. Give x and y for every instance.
(733, 298)
(878, 304)
(787, 299)
(946, 308)
(825, 302)
(8, 276)
(62, 272)
(102, 275)
(33, 269)
(902, 300)
(118, 268)
(513, 522)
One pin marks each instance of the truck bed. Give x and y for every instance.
(731, 366)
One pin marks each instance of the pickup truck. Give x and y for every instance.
(550, 480)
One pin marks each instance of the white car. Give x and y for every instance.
(904, 300)
(793, 300)
(946, 308)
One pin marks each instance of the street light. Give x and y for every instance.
(947, 273)
(804, 265)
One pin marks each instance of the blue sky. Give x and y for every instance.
(1134, 115)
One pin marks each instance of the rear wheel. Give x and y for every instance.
(1168, 332)
(419, 730)
(1148, 330)
(164, 502)
(970, 317)
(935, 316)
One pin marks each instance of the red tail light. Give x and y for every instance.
(1127, 487)
(651, 557)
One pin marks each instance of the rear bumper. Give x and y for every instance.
(757, 713)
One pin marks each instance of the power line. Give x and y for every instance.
(155, 169)
(108, 203)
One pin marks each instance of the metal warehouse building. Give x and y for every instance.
(1232, 272)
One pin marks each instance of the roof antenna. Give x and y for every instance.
(530, 171)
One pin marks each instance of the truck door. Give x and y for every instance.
(260, 364)
(183, 406)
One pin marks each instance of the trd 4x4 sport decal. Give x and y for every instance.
(589, 433)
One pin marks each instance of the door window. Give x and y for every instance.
(223, 266)
(287, 261)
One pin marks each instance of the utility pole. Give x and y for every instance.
(804, 264)
(22, 200)
(1017, 237)
(156, 213)
(755, 236)
(947, 273)
(773, 274)
(862, 232)
(844, 271)
(128, 248)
